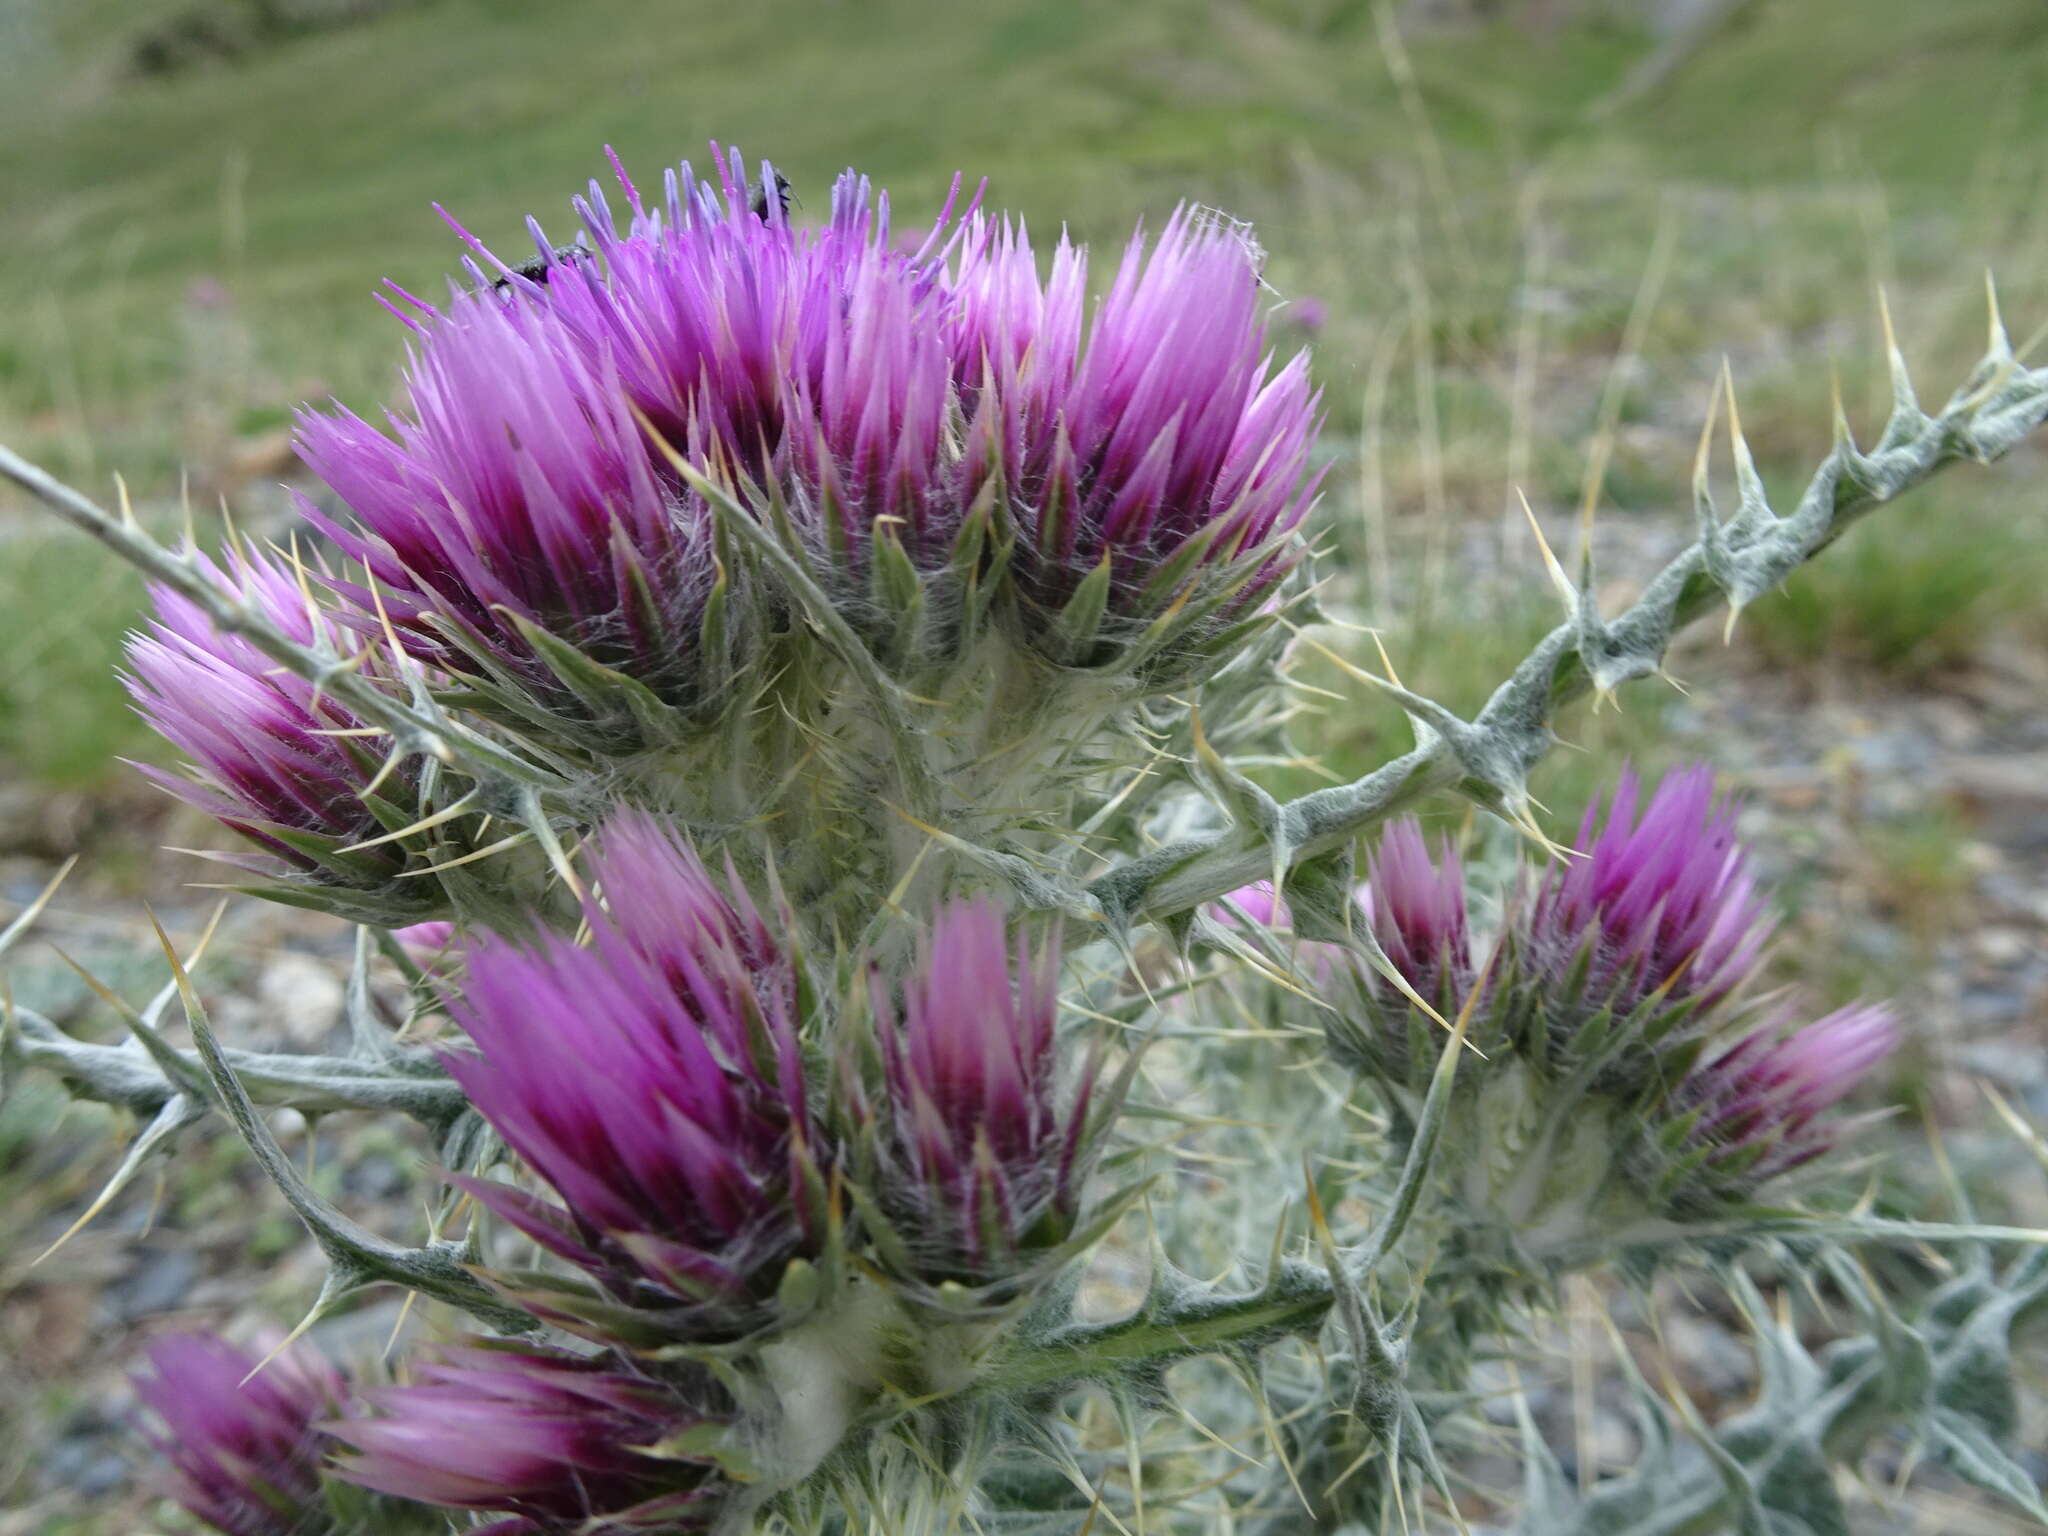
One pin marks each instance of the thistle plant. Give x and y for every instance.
(781, 705)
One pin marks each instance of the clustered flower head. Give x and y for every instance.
(519, 495)
(714, 1155)
(985, 1150)
(266, 745)
(654, 1081)
(566, 1445)
(933, 406)
(1617, 973)
(240, 1437)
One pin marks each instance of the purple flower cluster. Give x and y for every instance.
(590, 1445)
(1618, 971)
(866, 393)
(654, 1081)
(241, 1444)
(1622, 950)
(561, 1443)
(261, 740)
(983, 1153)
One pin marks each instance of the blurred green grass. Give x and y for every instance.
(63, 607)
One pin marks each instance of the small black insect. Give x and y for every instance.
(537, 267)
(760, 202)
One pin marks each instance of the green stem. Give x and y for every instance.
(1295, 1302)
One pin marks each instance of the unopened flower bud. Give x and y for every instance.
(240, 1435)
(564, 1445)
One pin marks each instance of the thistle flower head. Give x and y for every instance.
(261, 740)
(1665, 901)
(1756, 1109)
(241, 1443)
(560, 1443)
(985, 1151)
(1414, 907)
(653, 1080)
(1165, 431)
(806, 364)
(519, 493)
(533, 484)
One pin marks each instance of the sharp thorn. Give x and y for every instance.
(1558, 579)
(1702, 497)
(1904, 402)
(446, 813)
(1386, 661)
(468, 858)
(1998, 348)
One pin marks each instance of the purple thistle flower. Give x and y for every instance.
(985, 1156)
(561, 1443)
(1755, 1110)
(532, 476)
(1014, 342)
(696, 306)
(1414, 907)
(874, 399)
(520, 488)
(1666, 900)
(253, 731)
(243, 1450)
(1167, 424)
(654, 1080)
(810, 363)
(1655, 912)
(867, 390)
